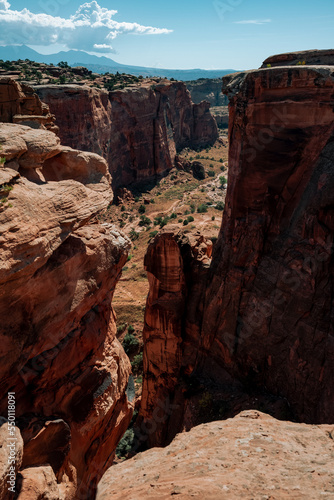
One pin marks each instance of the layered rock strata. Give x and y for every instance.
(58, 348)
(138, 130)
(176, 266)
(268, 315)
(305, 57)
(20, 104)
(264, 320)
(250, 456)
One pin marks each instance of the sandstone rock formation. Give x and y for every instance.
(20, 104)
(138, 130)
(268, 313)
(250, 456)
(58, 346)
(176, 265)
(305, 57)
(264, 316)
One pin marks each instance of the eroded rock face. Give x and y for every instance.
(250, 456)
(305, 57)
(262, 321)
(207, 89)
(58, 346)
(138, 130)
(20, 104)
(176, 264)
(268, 315)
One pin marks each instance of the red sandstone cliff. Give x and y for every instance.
(58, 346)
(264, 315)
(268, 314)
(138, 130)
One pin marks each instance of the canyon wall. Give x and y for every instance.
(265, 311)
(58, 348)
(176, 266)
(138, 129)
(207, 89)
(268, 315)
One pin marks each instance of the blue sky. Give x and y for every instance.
(214, 34)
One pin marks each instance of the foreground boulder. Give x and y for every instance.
(59, 352)
(138, 130)
(250, 456)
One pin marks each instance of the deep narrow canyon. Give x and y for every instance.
(238, 335)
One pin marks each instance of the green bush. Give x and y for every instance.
(153, 234)
(145, 221)
(190, 218)
(121, 328)
(213, 218)
(185, 222)
(130, 329)
(223, 180)
(202, 208)
(130, 343)
(126, 443)
(142, 209)
(133, 235)
(211, 173)
(173, 215)
(137, 363)
(220, 205)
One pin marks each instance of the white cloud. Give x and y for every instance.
(254, 21)
(91, 28)
(4, 5)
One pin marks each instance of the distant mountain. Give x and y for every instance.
(105, 64)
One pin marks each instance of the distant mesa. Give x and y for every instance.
(103, 64)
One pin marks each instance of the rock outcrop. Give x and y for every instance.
(59, 352)
(138, 130)
(305, 57)
(176, 265)
(250, 456)
(20, 104)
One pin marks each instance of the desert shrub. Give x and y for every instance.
(202, 208)
(213, 218)
(130, 343)
(130, 329)
(121, 328)
(153, 234)
(137, 362)
(185, 222)
(133, 235)
(173, 215)
(126, 443)
(220, 205)
(144, 221)
(190, 218)
(211, 173)
(142, 209)
(192, 208)
(223, 180)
